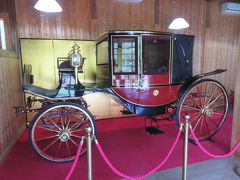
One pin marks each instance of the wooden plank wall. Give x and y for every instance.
(222, 39)
(236, 114)
(11, 126)
(86, 19)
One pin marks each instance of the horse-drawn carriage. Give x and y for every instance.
(150, 73)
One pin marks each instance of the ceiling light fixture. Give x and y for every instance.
(48, 6)
(179, 23)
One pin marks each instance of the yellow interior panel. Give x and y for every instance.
(43, 54)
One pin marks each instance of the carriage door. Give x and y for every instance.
(156, 59)
(124, 49)
(155, 70)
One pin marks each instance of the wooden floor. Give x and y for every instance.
(104, 106)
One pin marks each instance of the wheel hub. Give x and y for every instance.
(64, 136)
(208, 112)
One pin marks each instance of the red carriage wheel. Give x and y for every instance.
(207, 103)
(56, 131)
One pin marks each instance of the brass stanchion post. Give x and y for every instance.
(185, 153)
(88, 129)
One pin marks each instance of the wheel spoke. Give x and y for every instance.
(197, 122)
(194, 119)
(75, 130)
(214, 100)
(213, 121)
(59, 146)
(77, 136)
(53, 123)
(210, 98)
(201, 126)
(73, 142)
(77, 124)
(53, 142)
(204, 104)
(46, 128)
(219, 114)
(68, 149)
(194, 102)
(208, 130)
(199, 95)
(47, 137)
(218, 106)
(192, 108)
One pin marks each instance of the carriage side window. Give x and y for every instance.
(124, 55)
(156, 54)
(102, 52)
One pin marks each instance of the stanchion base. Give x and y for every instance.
(154, 130)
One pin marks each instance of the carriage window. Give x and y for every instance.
(124, 54)
(156, 53)
(102, 52)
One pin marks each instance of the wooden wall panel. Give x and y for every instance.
(73, 23)
(222, 40)
(236, 114)
(11, 126)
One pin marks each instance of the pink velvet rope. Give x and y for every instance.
(74, 163)
(148, 173)
(213, 155)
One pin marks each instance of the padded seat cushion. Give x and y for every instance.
(41, 91)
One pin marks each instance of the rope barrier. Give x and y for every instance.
(142, 176)
(75, 160)
(154, 169)
(210, 154)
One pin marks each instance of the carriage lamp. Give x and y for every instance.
(76, 60)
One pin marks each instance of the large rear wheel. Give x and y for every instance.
(207, 103)
(56, 131)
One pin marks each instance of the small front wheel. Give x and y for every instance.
(207, 103)
(56, 131)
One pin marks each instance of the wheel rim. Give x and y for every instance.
(57, 132)
(207, 104)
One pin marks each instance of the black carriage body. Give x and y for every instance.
(142, 88)
(180, 59)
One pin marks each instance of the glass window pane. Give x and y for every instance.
(102, 52)
(2, 35)
(124, 51)
(156, 54)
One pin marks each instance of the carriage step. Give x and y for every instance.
(153, 130)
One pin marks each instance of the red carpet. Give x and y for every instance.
(128, 146)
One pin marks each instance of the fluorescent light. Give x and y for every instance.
(48, 6)
(178, 23)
